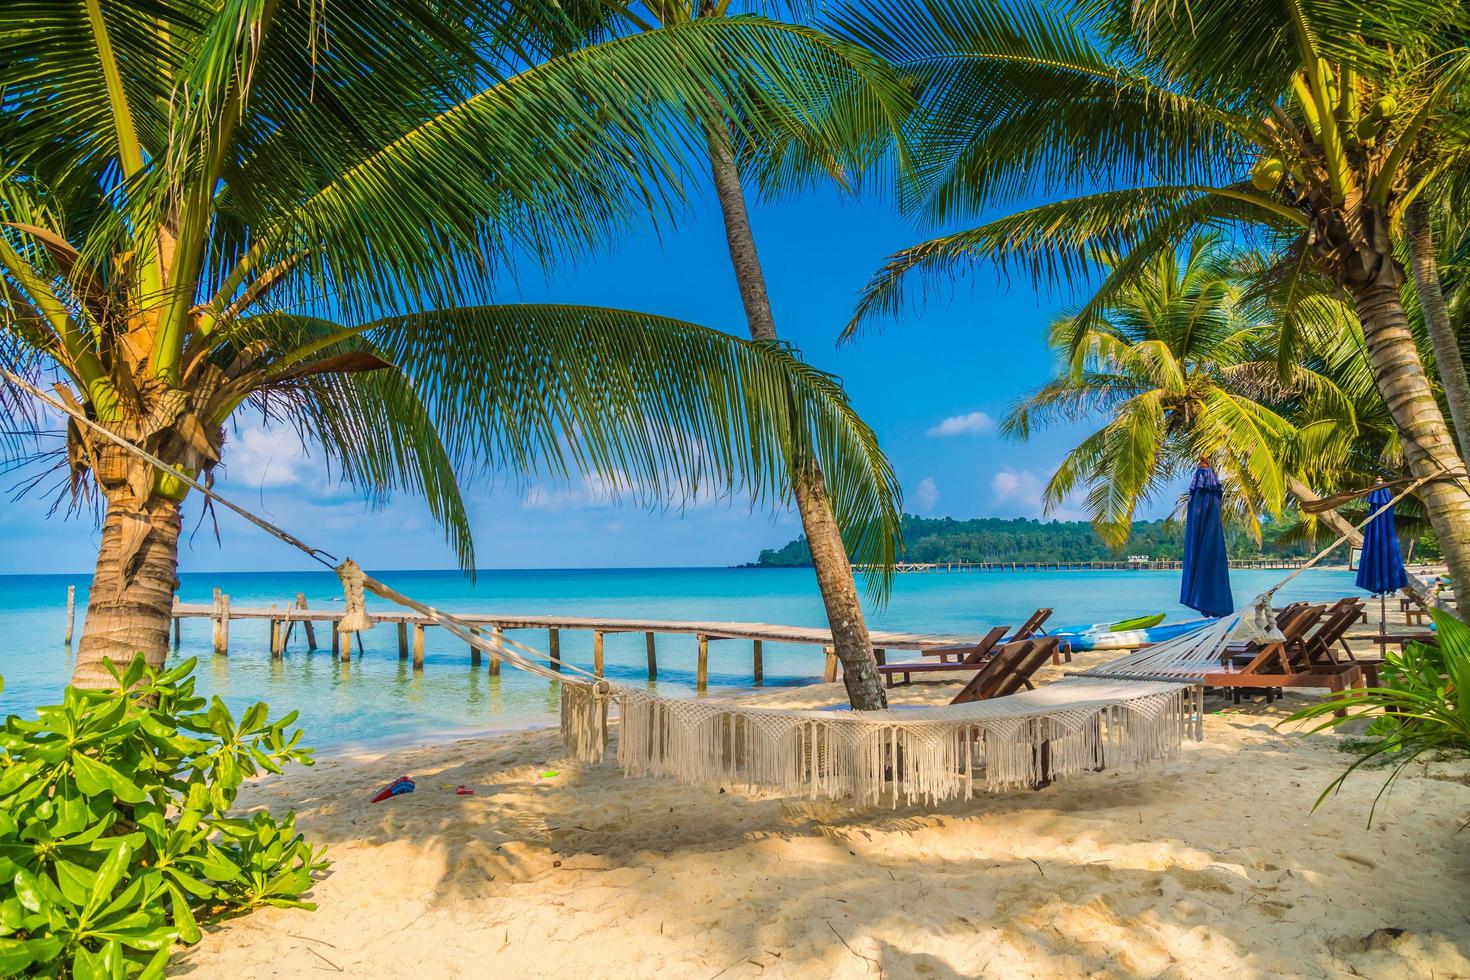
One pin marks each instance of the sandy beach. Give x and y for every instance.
(1213, 864)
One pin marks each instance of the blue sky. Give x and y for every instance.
(931, 387)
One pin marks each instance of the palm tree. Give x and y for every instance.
(303, 209)
(1179, 368)
(1322, 120)
(852, 128)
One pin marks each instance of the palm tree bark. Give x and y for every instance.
(1331, 518)
(1442, 337)
(850, 640)
(1428, 447)
(130, 606)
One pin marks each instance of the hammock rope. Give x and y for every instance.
(1138, 709)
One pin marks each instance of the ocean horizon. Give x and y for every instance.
(379, 701)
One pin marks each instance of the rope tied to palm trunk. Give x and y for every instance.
(356, 618)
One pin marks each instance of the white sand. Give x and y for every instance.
(1213, 865)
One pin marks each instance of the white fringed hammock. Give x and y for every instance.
(1131, 711)
(1138, 709)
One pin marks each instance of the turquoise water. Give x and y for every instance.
(378, 699)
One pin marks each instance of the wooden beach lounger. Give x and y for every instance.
(1322, 647)
(1008, 671)
(1281, 664)
(971, 658)
(1030, 628)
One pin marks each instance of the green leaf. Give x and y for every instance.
(94, 778)
(28, 890)
(108, 875)
(183, 916)
(15, 955)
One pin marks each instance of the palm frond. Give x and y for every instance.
(656, 408)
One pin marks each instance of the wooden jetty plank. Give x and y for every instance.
(716, 630)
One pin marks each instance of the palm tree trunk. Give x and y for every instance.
(1331, 518)
(130, 605)
(1442, 337)
(1428, 448)
(850, 640)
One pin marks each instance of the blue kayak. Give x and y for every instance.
(1103, 638)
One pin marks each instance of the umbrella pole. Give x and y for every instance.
(1382, 613)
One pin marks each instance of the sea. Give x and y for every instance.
(377, 701)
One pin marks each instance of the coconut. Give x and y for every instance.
(1267, 173)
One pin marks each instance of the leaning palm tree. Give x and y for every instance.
(302, 210)
(1322, 120)
(844, 132)
(1176, 369)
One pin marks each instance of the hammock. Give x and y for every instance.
(927, 754)
(1137, 709)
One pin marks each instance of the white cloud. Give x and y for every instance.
(1020, 488)
(1021, 491)
(969, 424)
(260, 457)
(594, 493)
(926, 495)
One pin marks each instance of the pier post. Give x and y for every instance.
(337, 643)
(310, 627)
(222, 627)
(597, 652)
(418, 646)
(474, 650)
(402, 641)
(499, 634)
(71, 611)
(758, 658)
(829, 673)
(652, 656)
(178, 628)
(277, 640)
(701, 669)
(553, 648)
(880, 655)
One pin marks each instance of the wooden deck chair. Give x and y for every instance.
(1033, 625)
(971, 659)
(1282, 663)
(1328, 646)
(1008, 671)
(1028, 629)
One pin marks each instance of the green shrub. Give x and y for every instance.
(113, 826)
(1418, 710)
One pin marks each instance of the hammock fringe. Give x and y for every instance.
(873, 756)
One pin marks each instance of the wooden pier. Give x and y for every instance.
(412, 630)
(1160, 565)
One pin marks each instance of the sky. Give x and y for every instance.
(933, 387)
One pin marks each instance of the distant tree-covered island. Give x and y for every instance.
(995, 539)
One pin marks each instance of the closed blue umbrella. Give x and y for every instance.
(1381, 565)
(1206, 584)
